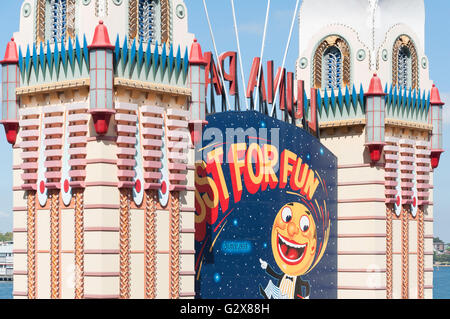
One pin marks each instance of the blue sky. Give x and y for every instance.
(250, 17)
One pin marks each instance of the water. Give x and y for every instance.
(441, 282)
(6, 289)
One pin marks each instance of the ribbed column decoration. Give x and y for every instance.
(31, 244)
(150, 245)
(165, 21)
(79, 244)
(40, 21)
(389, 256)
(71, 18)
(405, 254)
(420, 254)
(132, 19)
(124, 243)
(54, 245)
(175, 246)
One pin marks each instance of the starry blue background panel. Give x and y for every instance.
(227, 259)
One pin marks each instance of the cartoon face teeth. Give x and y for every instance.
(291, 252)
(294, 239)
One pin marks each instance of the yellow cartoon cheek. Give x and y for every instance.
(280, 224)
(313, 243)
(313, 248)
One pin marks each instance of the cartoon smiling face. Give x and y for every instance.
(294, 239)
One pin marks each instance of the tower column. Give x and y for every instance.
(101, 79)
(375, 114)
(436, 120)
(10, 101)
(197, 64)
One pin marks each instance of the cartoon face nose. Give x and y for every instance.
(292, 229)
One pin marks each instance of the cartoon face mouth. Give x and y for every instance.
(291, 252)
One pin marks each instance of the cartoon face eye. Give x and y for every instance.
(286, 214)
(304, 223)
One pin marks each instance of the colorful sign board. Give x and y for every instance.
(266, 210)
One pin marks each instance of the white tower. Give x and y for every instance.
(379, 113)
(98, 114)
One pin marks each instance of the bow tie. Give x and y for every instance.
(290, 278)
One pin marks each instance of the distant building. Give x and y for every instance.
(439, 247)
(6, 261)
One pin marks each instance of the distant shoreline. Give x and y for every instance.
(441, 265)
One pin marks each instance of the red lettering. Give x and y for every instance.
(236, 157)
(313, 123)
(253, 178)
(253, 79)
(300, 99)
(287, 162)
(211, 67)
(290, 91)
(214, 167)
(280, 83)
(231, 75)
(270, 161)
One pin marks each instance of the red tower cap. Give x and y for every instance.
(11, 130)
(11, 56)
(435, 98)
(101, 38)
(196, 55)
(375, 87)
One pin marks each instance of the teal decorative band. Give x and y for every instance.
(135, 56)
(41, 63)
(401, 103)
(52, 58)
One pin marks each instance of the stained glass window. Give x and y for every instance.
(404, 66)
(405, 70)
(58, 20)
(332, 68)
(146, 19)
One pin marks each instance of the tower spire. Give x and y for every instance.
(101, 38)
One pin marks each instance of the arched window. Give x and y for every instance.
(331, 68)
(405, 71)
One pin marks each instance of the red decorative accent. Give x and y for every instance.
(398, 202)
(66, 186)
(415, 202)
(231, 75)
(138, 186)
(196, 55)
(163, 187)
(375, 150)
(42, 187)
(11, 56)
(435, 98)
(11, 130)
(101, 38)
(101, 120)
(435, 157)
(196, 130)
(375, 87)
